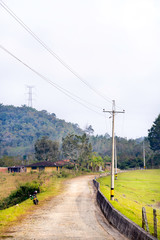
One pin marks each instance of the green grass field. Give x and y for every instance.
(134, 190)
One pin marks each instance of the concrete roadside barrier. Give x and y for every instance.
(124, 225)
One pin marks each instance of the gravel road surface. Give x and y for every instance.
(72, 215)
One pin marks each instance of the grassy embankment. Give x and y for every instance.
(51, 184)
(134, 190)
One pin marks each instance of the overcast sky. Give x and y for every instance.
(112, 45)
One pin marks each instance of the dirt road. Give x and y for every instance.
(71, 215)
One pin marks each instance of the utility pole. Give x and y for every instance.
(144, 157)
(30, 96)
(113, 149)
(115, 152)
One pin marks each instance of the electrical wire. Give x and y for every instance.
(64, 91)
(51, 51)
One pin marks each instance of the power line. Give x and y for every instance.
(51, 51)
(64, 91)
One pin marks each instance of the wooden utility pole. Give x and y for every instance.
(115, 152)
(144, 157)
(113, 112)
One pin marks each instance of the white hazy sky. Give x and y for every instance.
(113, 45)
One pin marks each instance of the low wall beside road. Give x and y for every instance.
(124, 225)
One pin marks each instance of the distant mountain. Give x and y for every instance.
(20, 127)
(140, 140)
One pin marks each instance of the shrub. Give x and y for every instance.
(19, 195)
(62, 174)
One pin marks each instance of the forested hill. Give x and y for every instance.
(20, 127)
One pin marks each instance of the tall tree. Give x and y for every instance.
(154, 135)
(85, 148)
(76, 147)
(46, 149)
(70, 147)
(89, 130)
(96, 162)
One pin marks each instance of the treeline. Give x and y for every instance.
(80, 151)
(129, 152)
(74, 147)
(21, 128)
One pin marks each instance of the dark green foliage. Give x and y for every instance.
(101, 144)
(63, 174)
(47, 150)
(77, 148)
(19, 195)
(154, 160)
(10, 161)
(85, 148)
(69, 147)
(21, 127)
(89, 130)
(128, 151)
(96, 162)
(131, 163)
(154, 135)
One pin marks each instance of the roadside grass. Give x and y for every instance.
(10, 181)
(51, 185)
(134, 190)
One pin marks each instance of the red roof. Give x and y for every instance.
(42, 164)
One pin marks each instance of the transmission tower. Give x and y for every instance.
(144, 157)
(30, 96)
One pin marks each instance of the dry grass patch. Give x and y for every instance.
(10, 181)
(51, 186)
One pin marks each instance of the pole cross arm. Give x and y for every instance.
(114, 111)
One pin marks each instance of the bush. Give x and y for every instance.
(62, 174)
(19, 195)
(87, 170)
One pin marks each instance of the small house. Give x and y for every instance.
(16, 169)
(45, 166)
